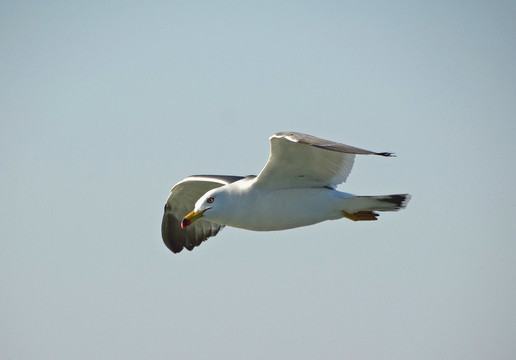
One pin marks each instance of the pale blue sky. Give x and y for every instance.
(105, 105)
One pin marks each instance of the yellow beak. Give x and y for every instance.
(191, 218)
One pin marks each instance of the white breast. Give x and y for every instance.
(266, 210)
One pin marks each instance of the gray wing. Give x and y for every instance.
(300, 160)
(181, 201)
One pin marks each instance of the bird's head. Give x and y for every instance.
(206, 207)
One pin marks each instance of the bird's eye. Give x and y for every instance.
(209, 200)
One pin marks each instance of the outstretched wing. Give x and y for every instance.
(298, 160)
(181, 201)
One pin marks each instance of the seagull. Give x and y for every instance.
(297, 187)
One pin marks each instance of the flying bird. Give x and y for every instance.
(297, 187)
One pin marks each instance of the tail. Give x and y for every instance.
(362, 208)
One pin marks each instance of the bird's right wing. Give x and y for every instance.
(181, 201)
(299, 161)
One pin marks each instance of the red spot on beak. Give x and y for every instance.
(185, 223)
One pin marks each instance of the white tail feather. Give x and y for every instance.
(375, 203)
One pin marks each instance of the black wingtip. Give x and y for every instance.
(169, 233)
(387, 154)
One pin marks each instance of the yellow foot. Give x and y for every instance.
(361, 215)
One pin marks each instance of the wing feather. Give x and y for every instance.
(300, 160)
(180, 202)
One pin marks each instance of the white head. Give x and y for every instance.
(211, 206)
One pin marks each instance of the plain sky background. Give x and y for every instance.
(105, 105)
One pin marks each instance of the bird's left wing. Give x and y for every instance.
(300, 160)
(181, 201)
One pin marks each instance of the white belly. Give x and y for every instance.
(285, 209)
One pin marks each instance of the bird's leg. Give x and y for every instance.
(361, 215)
